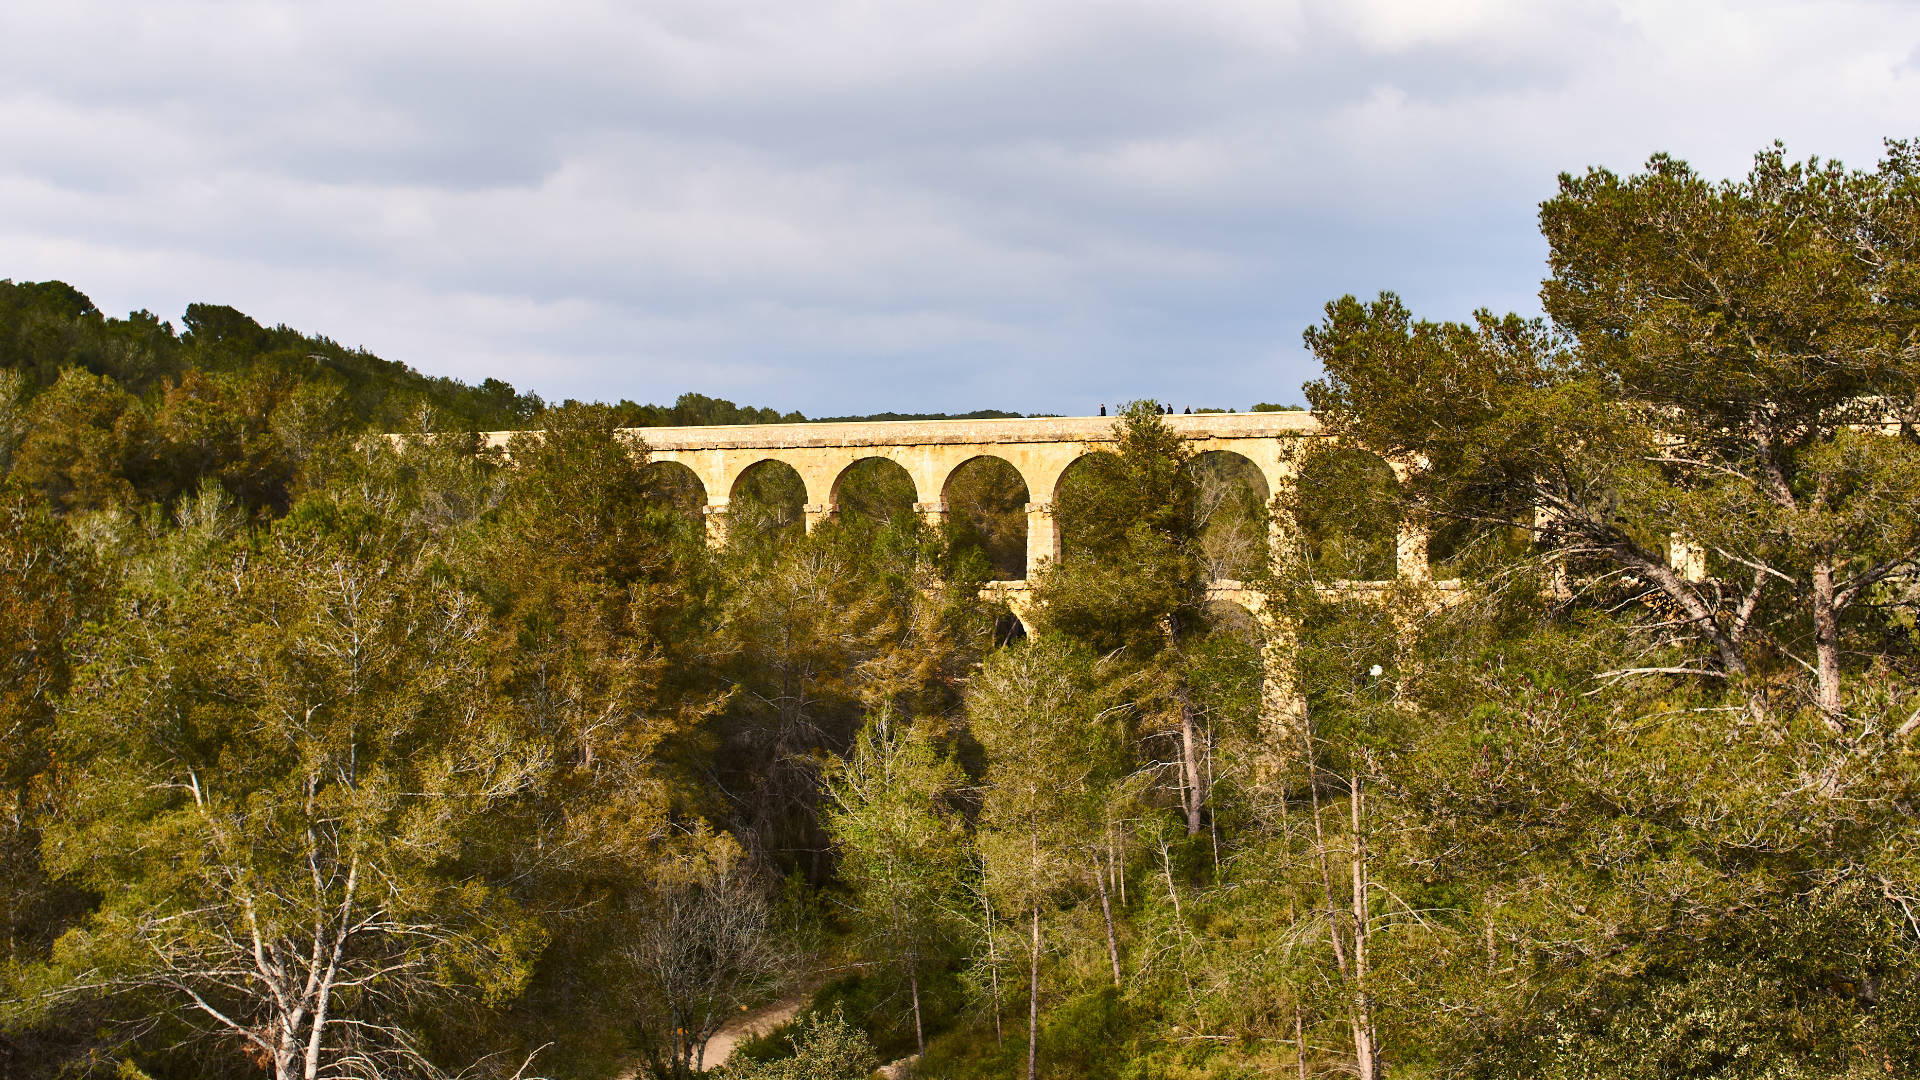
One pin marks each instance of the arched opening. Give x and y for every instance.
(1227, 617)
(987, 513)
(874, 490)
(1085, 508)
(673, 487)
(1348, 513)
(768, 502)
(1008, 629)
(1230, 508)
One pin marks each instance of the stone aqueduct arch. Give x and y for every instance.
(1039, 448)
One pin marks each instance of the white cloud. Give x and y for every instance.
(845, 205)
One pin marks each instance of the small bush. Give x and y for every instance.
(824, 1048)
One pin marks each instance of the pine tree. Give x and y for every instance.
(903, 847)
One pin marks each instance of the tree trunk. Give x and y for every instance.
(286, 1046)
(1300, 1041)
(1364, 1050)
(1213, 821)
(1826, 637)
(1173, 894)
(1106, 912)
(326, 978)
(993, 973)
(1190, 759)
(1684, 594)
(1033, 1001)
(1326, 870)
(318, 1032)
(913, 985)
(1113, 860)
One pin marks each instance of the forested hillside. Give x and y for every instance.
(49, 327)
(103, 411)
(329, 755)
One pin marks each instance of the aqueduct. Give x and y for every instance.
(931, 451)
(1041, 450)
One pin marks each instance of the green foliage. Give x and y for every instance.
(84, 437)
(1132, 568)
(824, 1048)
(50, 586)
(1142, 485)
(817, 632)
(281, 759)
(1730, 366)
(434, 674)
(1052, 748)
(1090, 1030)
(1348, 514)
(1230, 516)
(1525, 826)
(48, 327)
(879, 997)
(768, 506)
(902, 848)
(987, 513)
(696, 410)
(977, 414)
(1652, 900)
(875, 490)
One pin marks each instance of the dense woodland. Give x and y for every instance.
(329, 755)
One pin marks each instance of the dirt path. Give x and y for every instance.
(753, 1024)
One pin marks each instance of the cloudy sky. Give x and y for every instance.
(895, 204)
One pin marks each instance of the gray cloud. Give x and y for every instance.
(842, 206)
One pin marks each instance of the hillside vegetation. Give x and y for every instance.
(105, 411)
(328, 755)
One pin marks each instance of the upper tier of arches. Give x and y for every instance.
(932, 453)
